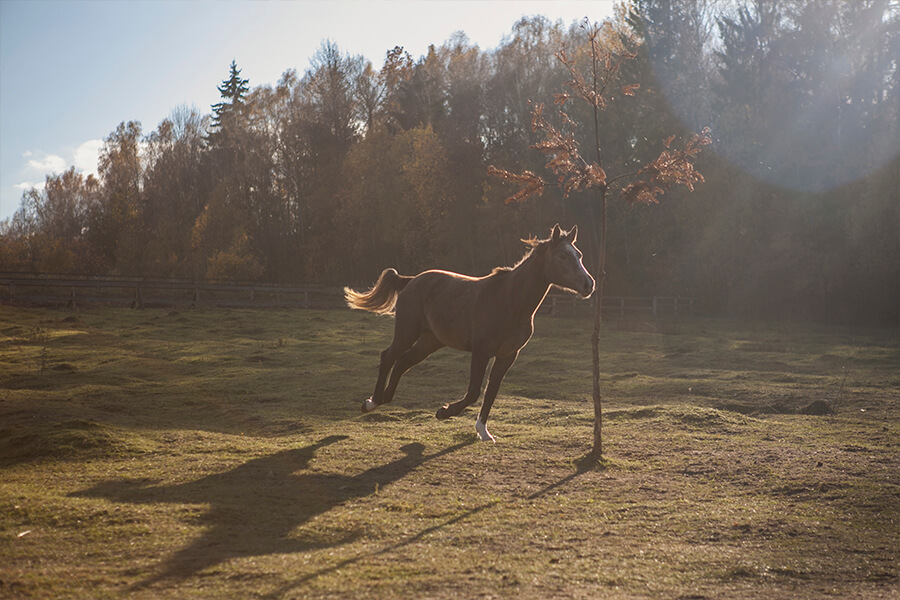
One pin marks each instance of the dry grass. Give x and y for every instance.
(220, 454)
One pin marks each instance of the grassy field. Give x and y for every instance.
(214, 454)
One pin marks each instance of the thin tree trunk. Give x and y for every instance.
(600, 276)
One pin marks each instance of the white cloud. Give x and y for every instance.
(39, 165)
(86, 156)
(27, 185)
(51, 163)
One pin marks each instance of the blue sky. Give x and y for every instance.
(72, 70)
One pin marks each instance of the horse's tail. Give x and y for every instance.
(383, 295)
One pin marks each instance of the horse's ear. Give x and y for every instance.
(573, 234)
(554, 236)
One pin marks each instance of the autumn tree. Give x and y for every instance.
(594, 80)
(327, 120)
(176, 183)
(523, 68)
(50, 230)
(116, 227)
(396, 183)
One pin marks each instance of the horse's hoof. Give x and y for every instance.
(443, 412)
(483, 434)
(368, 406)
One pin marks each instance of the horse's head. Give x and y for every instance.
(563, 266)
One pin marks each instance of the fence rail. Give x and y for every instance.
(138, 292)
(621, 306)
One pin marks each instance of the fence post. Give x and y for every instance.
(654, 306)
(622, 307)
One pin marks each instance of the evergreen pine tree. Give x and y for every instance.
(233, 90)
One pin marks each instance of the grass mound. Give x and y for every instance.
(70, 440)
(695, 417)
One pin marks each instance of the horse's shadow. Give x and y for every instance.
(254, 508)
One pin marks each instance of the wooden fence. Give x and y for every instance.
(622, 307)
(137, 292)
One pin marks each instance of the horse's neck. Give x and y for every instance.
(531, 285)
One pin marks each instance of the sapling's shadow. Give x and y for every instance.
(586, 463)
(254, 508)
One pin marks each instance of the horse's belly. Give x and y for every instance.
(448, 303)
(451, 336)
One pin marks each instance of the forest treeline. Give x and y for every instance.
(335, 173)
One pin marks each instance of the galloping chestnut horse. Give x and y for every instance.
(491, 316)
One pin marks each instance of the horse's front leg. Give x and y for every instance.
(498, 372)
(476, 377)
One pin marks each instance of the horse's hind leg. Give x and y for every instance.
(476, 377)
(406, 332)
(426, 345)
(388, 358)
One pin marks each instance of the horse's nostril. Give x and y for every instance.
(588, 288)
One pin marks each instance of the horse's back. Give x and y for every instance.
(445, 302)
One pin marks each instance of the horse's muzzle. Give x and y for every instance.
(587, 288)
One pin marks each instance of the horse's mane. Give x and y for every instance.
(534, 242)
(534, 245)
